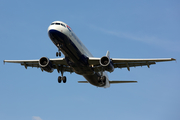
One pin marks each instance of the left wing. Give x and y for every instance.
(127, 63)
(57, 63)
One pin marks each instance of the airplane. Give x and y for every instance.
(79, 60)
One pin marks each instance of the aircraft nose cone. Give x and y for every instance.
(56, 36)
(52, 34)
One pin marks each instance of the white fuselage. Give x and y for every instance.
(74, 50)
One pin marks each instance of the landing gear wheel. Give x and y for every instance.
(64, 79)
(59, 79)
(58, 54)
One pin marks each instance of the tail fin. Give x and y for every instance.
(113, 82)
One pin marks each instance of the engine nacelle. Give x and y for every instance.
(107, 64)
(46, 64)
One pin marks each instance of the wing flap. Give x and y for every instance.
(132, 64)
(126, 63)
(117, 60)
(25, 63)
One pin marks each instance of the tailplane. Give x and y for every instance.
(82, 81)
(113, 82)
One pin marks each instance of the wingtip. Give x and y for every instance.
(173, 59)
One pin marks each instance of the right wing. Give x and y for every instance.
(57, 63)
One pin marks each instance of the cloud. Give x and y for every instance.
(171, 45)
(36, 118)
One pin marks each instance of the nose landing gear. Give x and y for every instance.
(58, 53)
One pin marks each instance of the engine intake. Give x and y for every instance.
(107, 64)
(46, 64)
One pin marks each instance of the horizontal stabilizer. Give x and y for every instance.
(113, 82)
(82, 81)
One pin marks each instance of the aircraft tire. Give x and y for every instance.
(59, 79)
(64, 79)
(59, 54)
(56, 54)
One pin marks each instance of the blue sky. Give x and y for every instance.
(127, 28)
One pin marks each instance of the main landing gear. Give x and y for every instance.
(58, 53)
(62, 78)
(102, 80)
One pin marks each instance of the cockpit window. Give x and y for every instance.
(63, 25)
(58, 24)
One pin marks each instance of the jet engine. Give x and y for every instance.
(107, 64)
(46, 64)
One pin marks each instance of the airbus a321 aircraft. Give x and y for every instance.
(79, 60)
